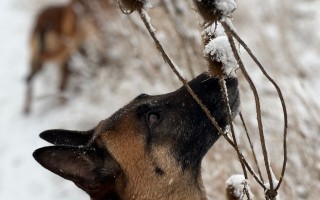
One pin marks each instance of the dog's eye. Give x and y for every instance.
(153, 118)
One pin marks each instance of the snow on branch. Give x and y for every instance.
(237, 187)
(128, 6)
(221, 62)
(218, 51)
(223, 58)
(141, 6)
(214, 10)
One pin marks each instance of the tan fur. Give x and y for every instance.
(146, 150)
(61, 34)
(141, 181)
(58, 32)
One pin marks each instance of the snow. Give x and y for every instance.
(236, 184)
(226, 6)
(215, 30)
(144, 14)
(264, 25)
(21, 177)
(219, 49)
(274, 182)
(222, 7)
(147, 4)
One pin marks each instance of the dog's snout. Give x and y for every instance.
(209, 90)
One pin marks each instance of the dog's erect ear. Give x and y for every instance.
(90, 169)
(66, 137)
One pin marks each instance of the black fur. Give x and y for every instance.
(172, 120)
(182, 123)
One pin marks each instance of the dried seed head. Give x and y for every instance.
(128, 6)
(217, 51)
(237, 188)
(214, 10)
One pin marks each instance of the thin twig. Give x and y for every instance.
(251, 145)
(234, 34)
(255, 176)
(252, 172)
(246, 190)
(257, 102)
(175, 70)
(185, 83)
(227, 105)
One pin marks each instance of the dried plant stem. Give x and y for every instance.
(144, 17)
(246, 190)
(257, 101)
(251, 146)
(254, 175)
(229, 114)
(285, 115)
(185, 83)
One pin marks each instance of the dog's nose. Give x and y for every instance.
(209, 91)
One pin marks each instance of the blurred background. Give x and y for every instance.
(284, 35)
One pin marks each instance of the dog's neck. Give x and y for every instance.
(154, 175)
(162, 188)
(145, 184)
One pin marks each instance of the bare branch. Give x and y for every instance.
(251, 146)
(285, 115)
(257, 101)
(227, 105)
(144, 16)
(145, 19)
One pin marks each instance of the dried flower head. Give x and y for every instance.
(128, 6)
(217, 51)
(215, 10)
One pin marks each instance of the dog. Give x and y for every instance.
(58, 32)
(151, 148)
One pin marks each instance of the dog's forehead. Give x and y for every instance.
(145, 102)
(202, 85)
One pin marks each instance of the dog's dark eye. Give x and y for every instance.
(153, 118)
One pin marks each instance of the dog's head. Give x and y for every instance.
(151, 147)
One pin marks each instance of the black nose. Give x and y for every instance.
(209, 91)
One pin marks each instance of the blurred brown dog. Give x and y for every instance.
(58, 32)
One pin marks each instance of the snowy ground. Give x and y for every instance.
(20, 176)
(285, 38)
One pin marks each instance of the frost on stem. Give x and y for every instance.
(215, 10)
(218, 52)
(237, 188)
(272, 194)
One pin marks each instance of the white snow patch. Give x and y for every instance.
(215, 30)
(274, 182)
(236, 184)
(147, 17)
(146, 4)
(226, 6)
(219, 50)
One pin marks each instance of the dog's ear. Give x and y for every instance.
(66, 137)
(93, 170)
